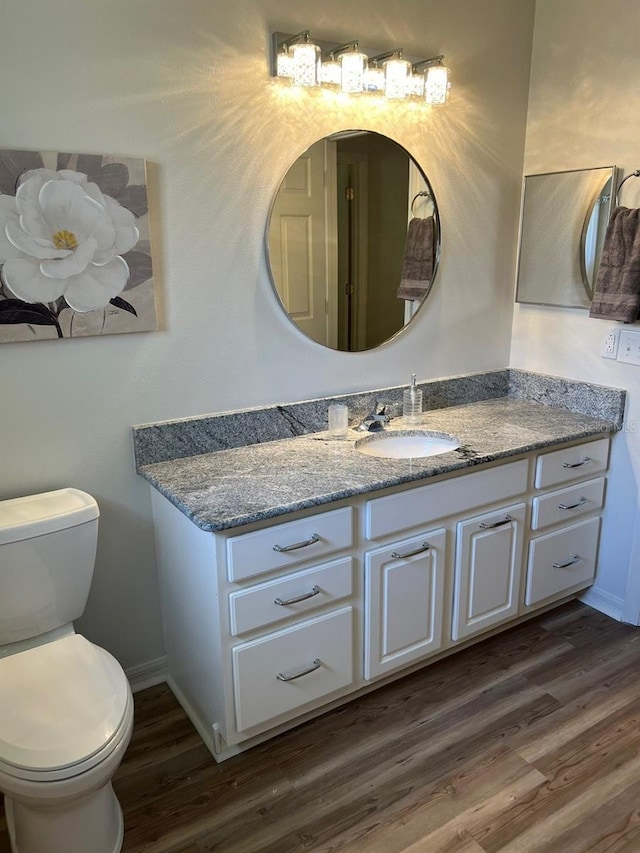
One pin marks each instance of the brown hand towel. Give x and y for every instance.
(417, 267)
(617, 293)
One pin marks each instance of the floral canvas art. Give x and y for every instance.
(75, 257)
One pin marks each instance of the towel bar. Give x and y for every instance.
(427, 195)
(635, 174)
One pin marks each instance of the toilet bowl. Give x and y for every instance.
(66, 708)
(66, 716)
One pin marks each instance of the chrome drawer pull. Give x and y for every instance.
(575, 558)
(424, 547)
(314, 538)
(585, 461)
(283, 602)
(581, 502)
(317, 663)
(505, 520)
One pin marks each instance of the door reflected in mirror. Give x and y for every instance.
(338, 240)
(562, 227)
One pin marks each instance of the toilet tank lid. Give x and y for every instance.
(35, 515)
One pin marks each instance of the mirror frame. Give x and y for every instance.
(582, 227)
(437, 236)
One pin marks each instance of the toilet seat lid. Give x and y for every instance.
(60, 703)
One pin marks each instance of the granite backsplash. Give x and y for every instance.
(176, 439)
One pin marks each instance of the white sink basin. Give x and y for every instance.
(407, 445)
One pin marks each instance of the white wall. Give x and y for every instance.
(584, 110)
(186, 85)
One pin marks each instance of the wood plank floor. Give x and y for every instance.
(529, 741)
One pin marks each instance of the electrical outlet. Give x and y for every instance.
(629, 347)
(610, 344)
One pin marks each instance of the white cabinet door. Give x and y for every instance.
(488, 570)
(404, 602)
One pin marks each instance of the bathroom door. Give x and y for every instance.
(301, 247)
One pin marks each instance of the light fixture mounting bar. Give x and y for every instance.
(380, 57)
(434, 60)
(342, 48)
(278, 39)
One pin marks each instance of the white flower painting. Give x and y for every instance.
(75, 258)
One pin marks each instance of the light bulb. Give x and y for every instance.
(396, 72)
(284, 63)
(437, 85)
(415, 85)
(374, 79)
(305, 64)
(330, 73)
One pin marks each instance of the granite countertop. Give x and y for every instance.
(230, 488)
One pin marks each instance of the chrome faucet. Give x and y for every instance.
(375, 421)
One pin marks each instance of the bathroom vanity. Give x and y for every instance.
(331, 572)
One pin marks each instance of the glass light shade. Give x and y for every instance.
(284, 63)
(353, 66)
(396, 72)
(374, 79)
(305, 64)
(415, 85)
(330, 73)
(437, 85)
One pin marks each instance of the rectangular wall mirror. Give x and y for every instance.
(563, 220)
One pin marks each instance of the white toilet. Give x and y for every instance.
(66, 709)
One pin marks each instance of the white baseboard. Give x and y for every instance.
(147, 674)
(603, 601)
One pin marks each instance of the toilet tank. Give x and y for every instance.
(47, 553)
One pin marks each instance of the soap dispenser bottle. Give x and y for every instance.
(412, 403)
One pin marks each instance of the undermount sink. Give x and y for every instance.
(407, 445)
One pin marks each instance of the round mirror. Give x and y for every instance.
(353, 240)
(593, 232)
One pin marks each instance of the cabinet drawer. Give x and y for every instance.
(289, 596)
(282, 672)
(572, 463)
(425, 504)
(562, 562)
(288, 544)
(565, 504)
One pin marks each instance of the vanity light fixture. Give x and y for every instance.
(353, 64)
(437, 83)
(298, 58)
(330, 72)
(345, 67)
(415, 85)
(284, 62)
(396, 74)
(374, 77)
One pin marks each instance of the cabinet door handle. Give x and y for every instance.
(505, 520)
(283, 602)
(424, 547)
(581, 502)
(296, 545)
(317, 663)
(585, 461)
(575, 558)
